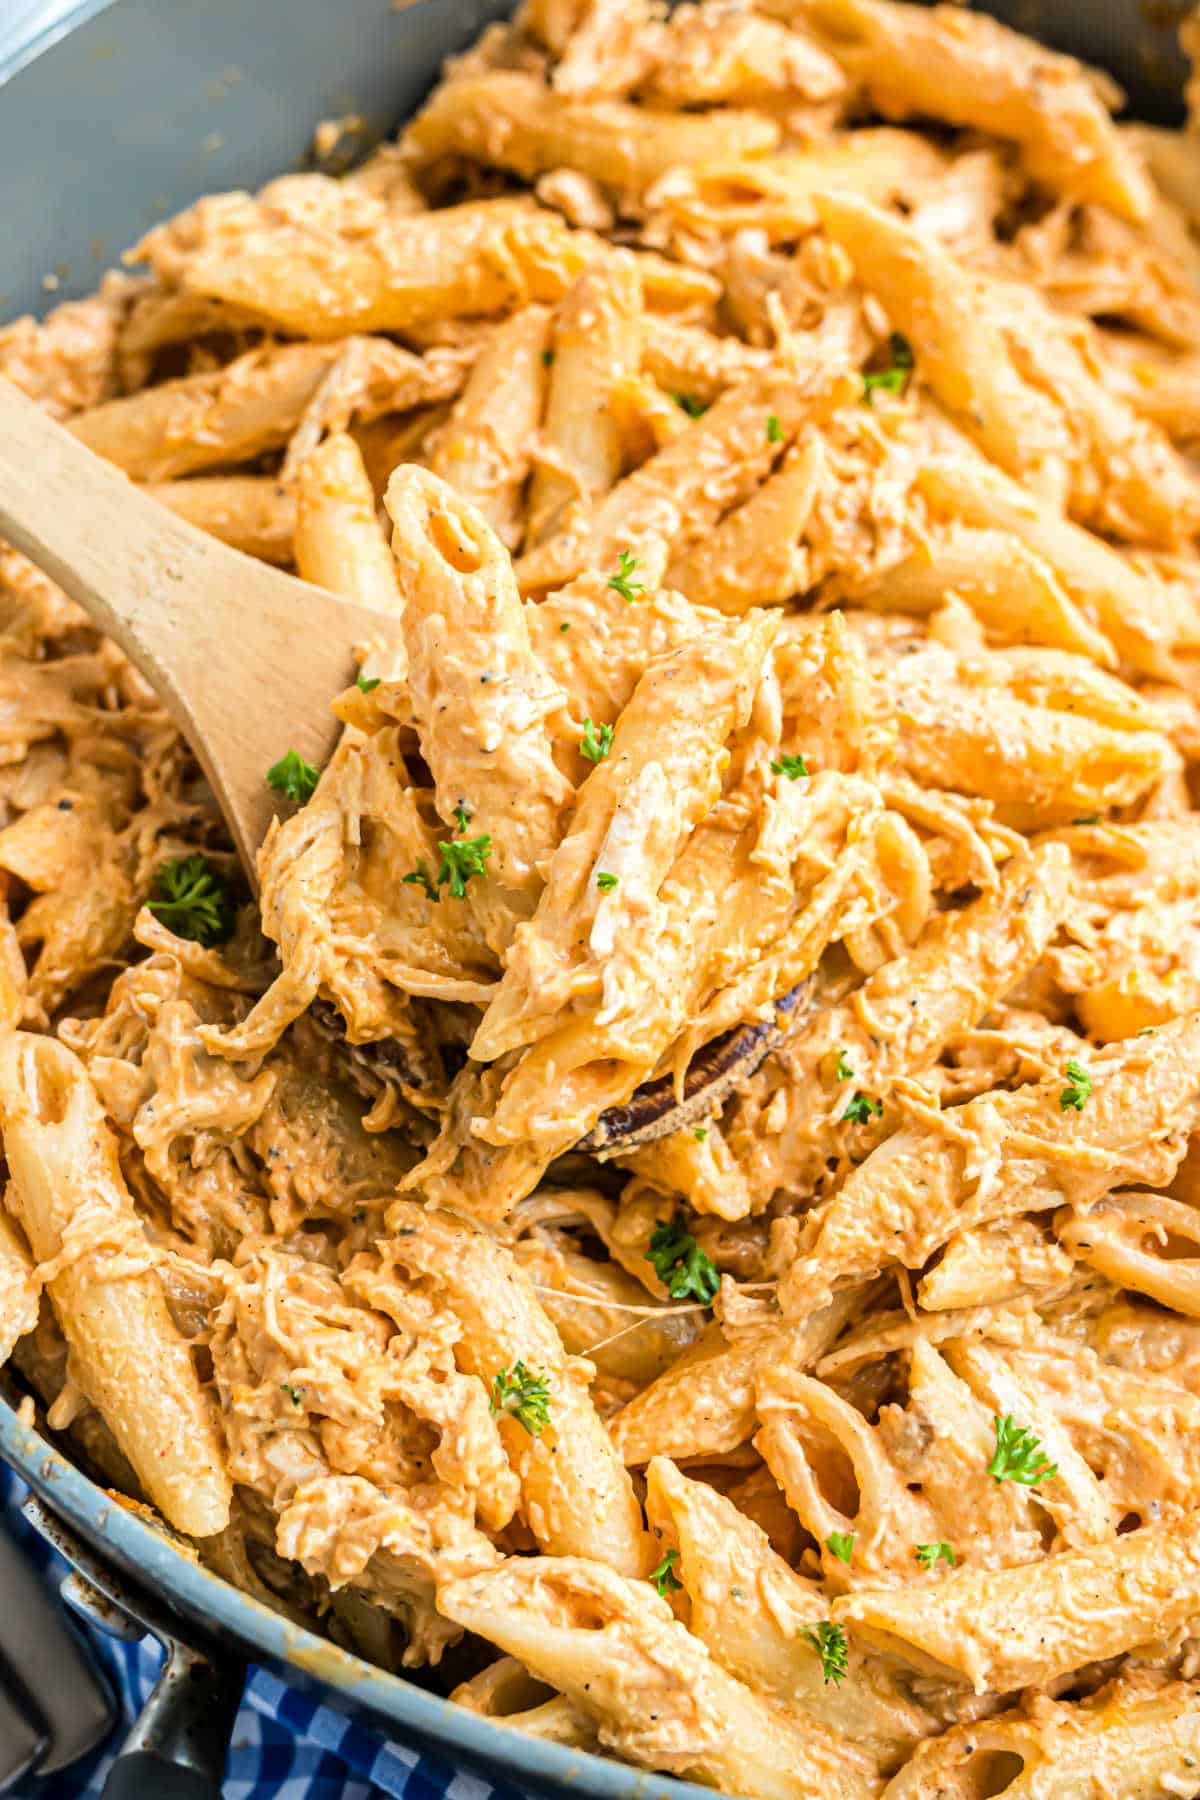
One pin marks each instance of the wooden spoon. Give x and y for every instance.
(245, 659)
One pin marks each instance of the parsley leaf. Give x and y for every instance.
(606, 882)
(191, 898)
(419, 877)
(791, 766)
(524, 1395)
(367, 684)
(691, 405)
(894, 378)
(621, 579)
(294, 777)
(596, 741)
(861, 1107)
(700, 1133)
(680, 1264)
(842, 1070)
(294, 1394)
(841, 1545)
(547, 359)
(774, 429)
(928, 1555)
(1075, 1096)
(829, 1642)
(461, 859)
(1018, 1455)
(664, 1577)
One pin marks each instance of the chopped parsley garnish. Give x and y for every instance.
(462, 816)
(1087, 819)
(1018, 1455)
(606, 882)
(829, 1642)
(366, 684)
(680, 1264)
(1074, 1097)
(564, 626)
(191, 898)
(293, 777)
(547, 359)
(774, 429)
(700, 1133)
(928, 1555)
(894, 378)
(842, 1070)
(596, 741)
(791, 766)
(862, 1107)
(841, 1545)
(419, 877)
(621, 580)
(664, 1577)
(294, 1394)
(461, 859)
(694, 407)
(524, 1395)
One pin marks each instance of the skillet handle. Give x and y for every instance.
(177, 1749)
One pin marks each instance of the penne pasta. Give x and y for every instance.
(515, 121)
(468, 647)
(1050, 1616)
(485, 448)
(415, 267)
(338, 542)
(609, 1643)
(574, 1490)
(72, 1203)
(971, 71)
(597, 343)
(254, 513)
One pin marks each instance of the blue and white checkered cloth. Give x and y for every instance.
(285, 1745)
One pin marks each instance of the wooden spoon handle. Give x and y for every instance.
(245, 659)
(124, 558)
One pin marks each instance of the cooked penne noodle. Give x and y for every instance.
(752, 1612)
(1141, 1742)
(515, 121)
(1141, 1241)
(468, 648)
(338, 542)
(675, 497)
(777, 193)
(417, 267)
(755, 557)
(608, 1643)
(1011, 589)
(253, 405)
(973, 72)
(254, 513)
(127, 1357)
(574, 1491)
(1010, 1628)
(485, 448)
(704, 1405)
(597, 345)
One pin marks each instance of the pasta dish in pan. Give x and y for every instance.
(679, 1212)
